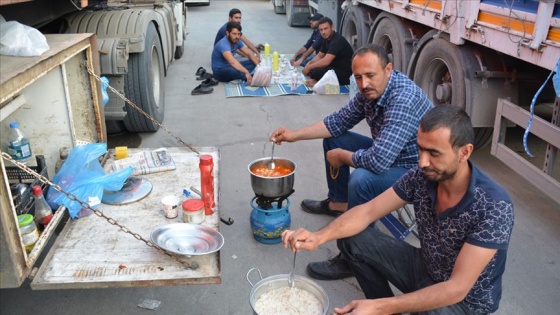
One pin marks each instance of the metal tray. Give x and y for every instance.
(187, 239)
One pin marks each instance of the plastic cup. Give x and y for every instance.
(170, 204)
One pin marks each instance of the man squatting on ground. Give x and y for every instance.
(336, 53)
(464, 224)
(224, 64)
(392, 105)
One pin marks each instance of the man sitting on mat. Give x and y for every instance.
(224, 64)
(309, 50)
(235, 16)
(336, 53)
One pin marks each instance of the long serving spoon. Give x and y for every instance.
(291, 277)
(271, 164)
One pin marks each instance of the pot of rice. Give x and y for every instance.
(273, 296)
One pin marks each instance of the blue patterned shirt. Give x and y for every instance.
(393, 120)
(484, 217)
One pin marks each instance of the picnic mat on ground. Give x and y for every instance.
(244, 90)
(281, 85)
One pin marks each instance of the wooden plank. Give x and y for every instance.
(19, 72)
(91, 253)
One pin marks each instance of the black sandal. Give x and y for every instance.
(204, 76)
(200, 71)
(210, 82)
(202, 90)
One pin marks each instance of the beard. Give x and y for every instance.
(434, 175)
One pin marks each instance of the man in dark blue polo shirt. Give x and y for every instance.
(312, 46)
(335, 53)
(464, 224)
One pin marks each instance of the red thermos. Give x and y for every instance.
(207, 183)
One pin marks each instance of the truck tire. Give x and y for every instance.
(391, 34)
(443, 71)
(143, 85)
(354, 26)
(115, 126)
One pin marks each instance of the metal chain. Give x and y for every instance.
(141, 111)
(188, 265)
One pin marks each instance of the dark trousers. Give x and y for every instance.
(377, 259)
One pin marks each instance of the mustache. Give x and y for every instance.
(428, 169)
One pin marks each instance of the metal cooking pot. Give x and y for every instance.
(279, 281)
(272, 186)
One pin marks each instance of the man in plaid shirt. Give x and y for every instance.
(392, 106)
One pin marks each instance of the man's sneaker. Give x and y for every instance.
(332, 269)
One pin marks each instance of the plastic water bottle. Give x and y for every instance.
(18, 145)
(43, 212)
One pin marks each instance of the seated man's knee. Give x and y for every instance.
(358, 180)
(354, 244)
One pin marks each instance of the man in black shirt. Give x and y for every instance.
(312, 46)
(336, 53)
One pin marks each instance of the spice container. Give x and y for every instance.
(28, 231)
(193, 211)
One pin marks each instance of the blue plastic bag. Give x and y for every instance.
(83, 176)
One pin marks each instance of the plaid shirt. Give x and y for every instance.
(393, 120)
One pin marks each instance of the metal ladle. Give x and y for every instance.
(291, 277)
(271, 164)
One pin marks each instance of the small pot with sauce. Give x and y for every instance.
(275, 182)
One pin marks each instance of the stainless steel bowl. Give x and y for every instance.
(187, 239)
(279, 281)
(272, 186)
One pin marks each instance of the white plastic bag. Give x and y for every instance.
(328, 84)
(262, 75)
(17, 39)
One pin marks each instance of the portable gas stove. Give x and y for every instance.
(270, 218)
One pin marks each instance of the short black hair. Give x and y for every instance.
(232, 25)
(233, 12)
(325, 19)
(452, 117)
(375, 49)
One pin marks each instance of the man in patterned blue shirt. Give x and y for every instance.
(392, 105)
(464, 225)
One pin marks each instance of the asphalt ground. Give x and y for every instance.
(240, 127)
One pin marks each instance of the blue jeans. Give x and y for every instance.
(229, 73)
(361, 185)
(377, 259)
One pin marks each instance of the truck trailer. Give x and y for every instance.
(489, 57)
(136, 41)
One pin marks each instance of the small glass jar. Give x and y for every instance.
(193, 211)
(28, 231)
